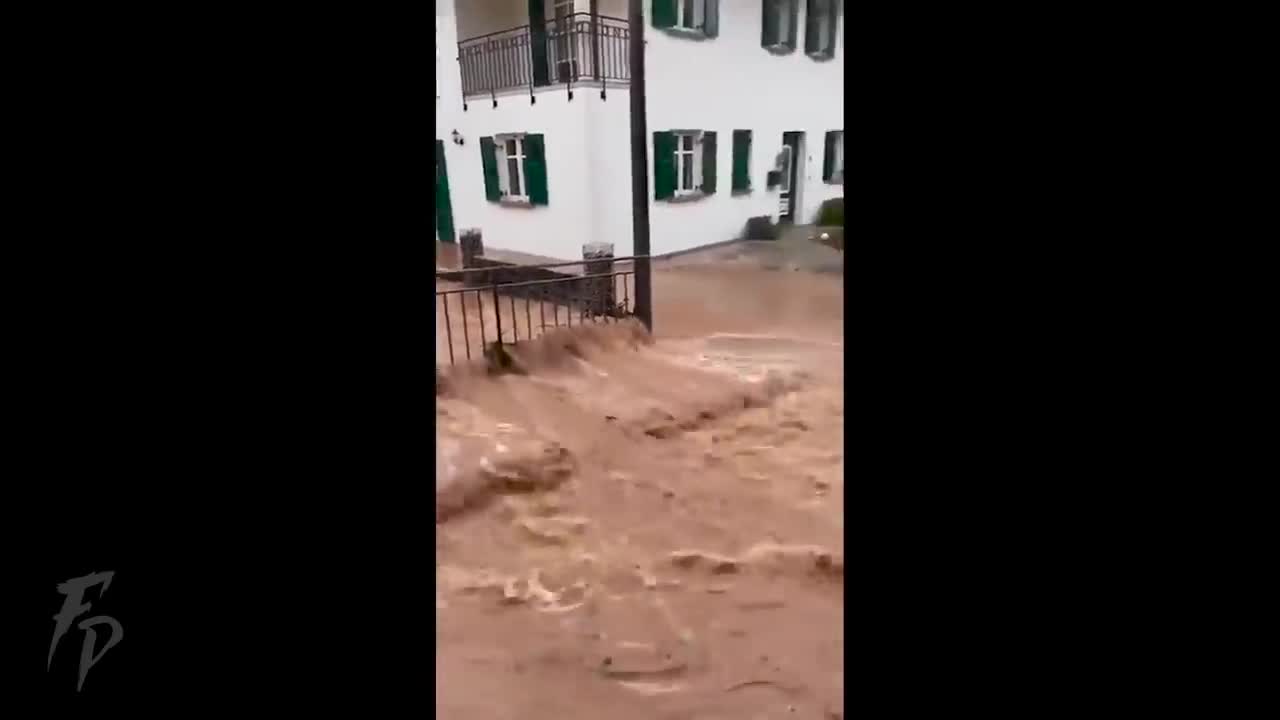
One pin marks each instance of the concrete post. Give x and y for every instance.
(472, 246)
(598, 258)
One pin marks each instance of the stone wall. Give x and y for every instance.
(595, 295)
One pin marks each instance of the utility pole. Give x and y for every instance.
(639, 166)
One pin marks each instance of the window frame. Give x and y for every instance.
(698, 15)
(784, 169)
(504, 166)
(824, 33)
(693, 160)
(565, 45)
(826, 29)
(784, 20)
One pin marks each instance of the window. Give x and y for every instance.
(778, 24)
(515, 169)
(688, 16)
(684, 164)
(833, 158)
(820, 28)
(512, 177)
(566, 41)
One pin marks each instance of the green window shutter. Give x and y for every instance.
(793, 30)
(769, 23)
(828, 157)
(812, 28)
(741, 179)
(535, 169)
(444, 208)
(664, 13)
(831, 28)
(664, 165)
(489, 158)
(709, 162)
(711, 18)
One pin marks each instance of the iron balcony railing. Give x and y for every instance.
(576, 48)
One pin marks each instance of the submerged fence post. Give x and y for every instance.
(472, 246)
(598, 257)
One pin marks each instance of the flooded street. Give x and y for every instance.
(652, 528)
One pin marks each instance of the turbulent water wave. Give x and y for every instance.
(652, 527)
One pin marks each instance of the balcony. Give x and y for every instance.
(575, 48)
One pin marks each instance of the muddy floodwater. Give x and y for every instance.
(651, 528)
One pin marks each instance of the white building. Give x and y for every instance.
(744, 111)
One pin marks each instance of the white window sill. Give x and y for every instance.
(780, 49)
(684, 32)
(743, 191)
(516, 202)
(821, 56)
(686, 197)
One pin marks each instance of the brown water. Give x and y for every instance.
(651, 528)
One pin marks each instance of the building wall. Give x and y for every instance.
(732, 83)
(723, 84)
(480, 17)
(448, 96)
(615, 8)
(571, 128)
(555, 230)
(609, 135)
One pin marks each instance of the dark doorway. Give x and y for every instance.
(566, 44)
(789, 190)
(538, 42)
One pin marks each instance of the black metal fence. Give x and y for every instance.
(494, 305)
(574, 49)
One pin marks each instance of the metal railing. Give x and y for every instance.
(493, 307)
(574, 49)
